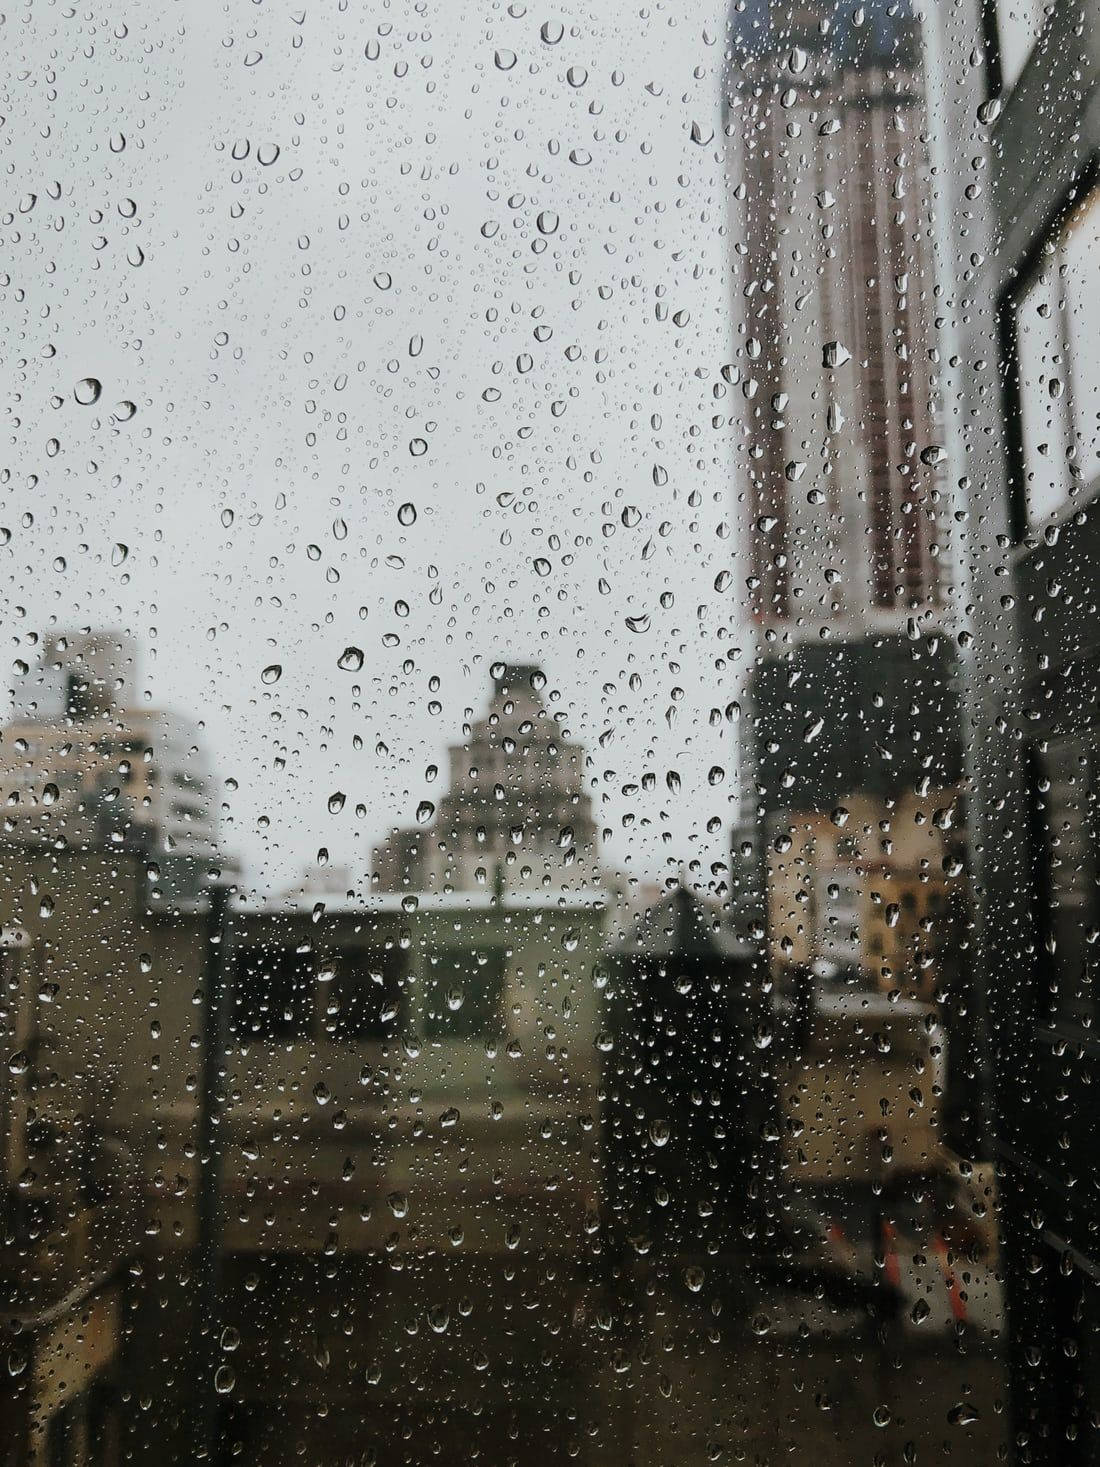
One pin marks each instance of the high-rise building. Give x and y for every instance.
(833, 283)
(80, 763)
(852, 690)
(516, 813)
(850, 732)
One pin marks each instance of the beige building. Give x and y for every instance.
(867, 906)
(876, 887)
(80, 763)
(97, 1030)
(517, 812)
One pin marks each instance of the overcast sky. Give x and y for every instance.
(486, 276)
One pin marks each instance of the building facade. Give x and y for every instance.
(1028, 332)
(81, 763)
(517, 812)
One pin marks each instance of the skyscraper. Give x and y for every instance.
(833, 285)
(838, 473)
(850, 734)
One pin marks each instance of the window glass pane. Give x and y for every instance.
(273, 996)
(464, 994)
(1019, 23)
(1081, 250)
(548, 762)
(364, 999)
(1068, 877)
(1058, 364)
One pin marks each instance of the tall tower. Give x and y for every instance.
(838, 475)
(833, 289)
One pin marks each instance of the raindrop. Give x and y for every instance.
(398, 1204)
(87, 391)
(504, 60)
(272, 673)
(406, 514)
(350, 659)
(336, 802)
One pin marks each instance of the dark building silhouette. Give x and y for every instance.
(1033, 695)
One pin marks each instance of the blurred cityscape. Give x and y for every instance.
(490, 1149)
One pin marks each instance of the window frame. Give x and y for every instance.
(1021, 525)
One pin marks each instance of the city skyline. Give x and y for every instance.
(270, 386)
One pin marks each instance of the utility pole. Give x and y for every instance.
(216, 996)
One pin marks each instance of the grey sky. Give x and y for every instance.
(267, 318)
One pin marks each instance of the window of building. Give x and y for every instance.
(273, 995)
(463, 993)
(1067, 893)
(365, 992)
(1053, 318)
